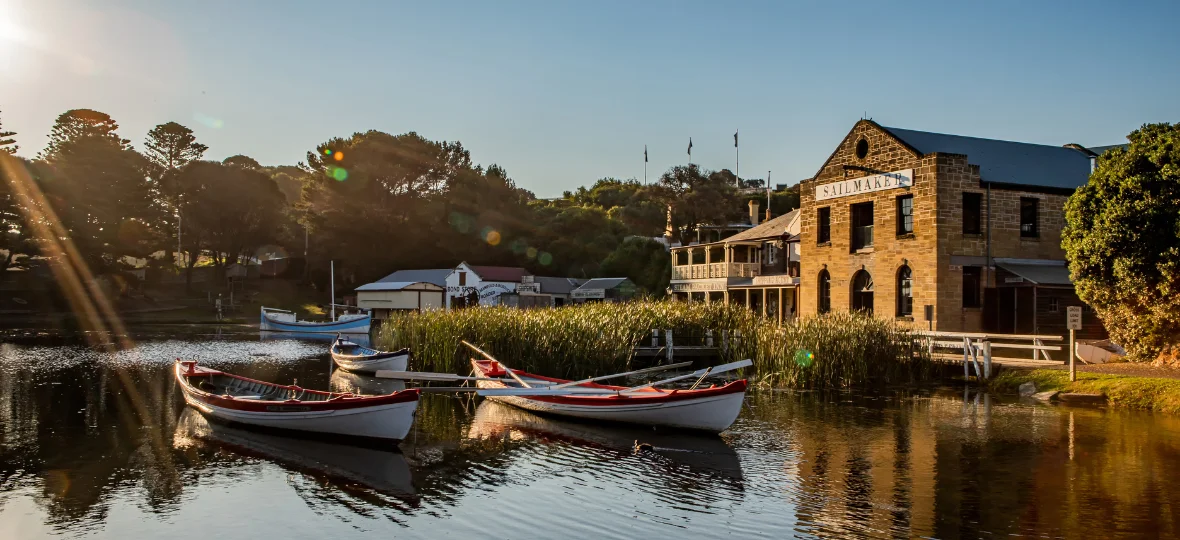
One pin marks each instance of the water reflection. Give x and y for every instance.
(100, 444)
(380, 470)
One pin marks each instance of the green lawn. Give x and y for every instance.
(1147, 393)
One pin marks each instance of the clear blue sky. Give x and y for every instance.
(562, 93)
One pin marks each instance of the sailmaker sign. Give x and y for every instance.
(866, 184)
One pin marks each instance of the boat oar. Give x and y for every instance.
(616, 375)
(492, 358)
(698, 373)
(429, 376)
(554, 391)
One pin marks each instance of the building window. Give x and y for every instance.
(905, 214)
(1028, 217)
(825, 291)
(462, 279)
(862, 225)
(972, 277)
(905, 292)
(1053, 306)
(824, 226)
(770, 252)
(972, 213)
(862, 291)
(862, 149)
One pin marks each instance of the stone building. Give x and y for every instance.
(946, 232)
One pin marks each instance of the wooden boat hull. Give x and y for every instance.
(710, 410)
(369, 361)
(374, 418)
(279, 322)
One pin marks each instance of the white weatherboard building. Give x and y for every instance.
(484, 283)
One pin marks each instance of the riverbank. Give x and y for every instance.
(1158, 394)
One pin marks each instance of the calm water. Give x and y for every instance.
(98, 445)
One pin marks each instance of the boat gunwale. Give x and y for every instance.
(335, 401)
(643, 396)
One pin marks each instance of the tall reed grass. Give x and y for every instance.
(835, 350)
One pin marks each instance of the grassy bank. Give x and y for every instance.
(837, 350)
(1146, 393)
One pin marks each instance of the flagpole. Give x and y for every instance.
(645, 164)
(767, 191)
(737, 168)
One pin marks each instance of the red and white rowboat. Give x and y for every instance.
(231, 398)
(711, 409)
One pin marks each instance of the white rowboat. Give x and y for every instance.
(356, 358)
(230, 398)
(712, 409)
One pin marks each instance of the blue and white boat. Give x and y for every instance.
(281, 320)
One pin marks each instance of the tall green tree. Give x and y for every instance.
(171, 146)
(646, 262)
(242, 161)
(79, 124)
(1122, 239)
(229, 212)
(699, 197)
(100, 189)
(7, 143)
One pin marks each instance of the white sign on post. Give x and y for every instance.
(1073, 317)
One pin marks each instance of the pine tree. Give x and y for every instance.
(7, 144)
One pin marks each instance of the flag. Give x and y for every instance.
(645, 153)
(690, 147)
(735, 139)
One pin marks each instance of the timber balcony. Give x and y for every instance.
(716, 270)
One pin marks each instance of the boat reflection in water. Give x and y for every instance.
(360, 339)
(707, 455)
(344, 381)
(381, 470)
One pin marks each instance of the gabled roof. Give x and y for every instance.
(509, 274)
(398, 286)
(603, 283)
(436, 276)
(1006, 162)
(557, 285)
(772, 228)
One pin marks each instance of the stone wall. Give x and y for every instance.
(937, 250)
(890, 251)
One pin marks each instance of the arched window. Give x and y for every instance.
(862, 291)
(905, 292)
(825, 291)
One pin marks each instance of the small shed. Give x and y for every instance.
(386, 297)
(605, 290)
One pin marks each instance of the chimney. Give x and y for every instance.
(754, 213)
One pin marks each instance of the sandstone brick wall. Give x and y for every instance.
(889, 251)
(937, 250)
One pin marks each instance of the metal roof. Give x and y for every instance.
(557, 285)
(436, 276)
(1007, 162)
(603, 283)
(393, 285)
(1099, 150)
(1040, 274)
(510, 274)
(772, 228)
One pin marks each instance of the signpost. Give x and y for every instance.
(1073, 320)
